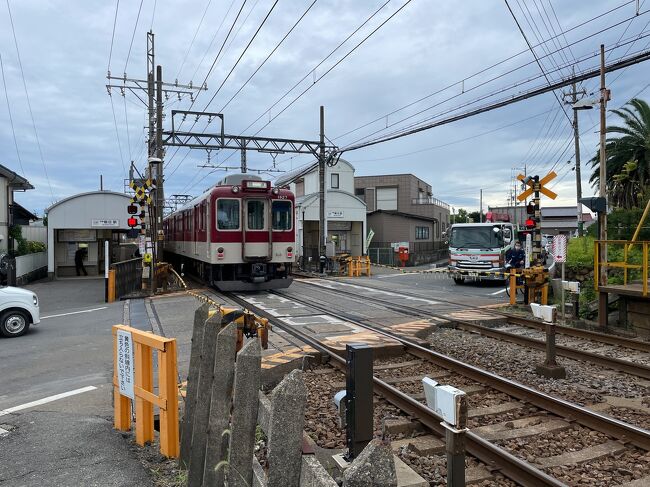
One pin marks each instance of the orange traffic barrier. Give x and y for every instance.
(133, 370)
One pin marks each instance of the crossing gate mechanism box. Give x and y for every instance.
(445, 401)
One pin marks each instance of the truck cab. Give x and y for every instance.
(477, 251)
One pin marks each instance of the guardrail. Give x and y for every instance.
(128, 277)
(601, 248)
(133, 379)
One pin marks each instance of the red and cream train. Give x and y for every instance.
(238, 236)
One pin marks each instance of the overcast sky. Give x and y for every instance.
(429, 45)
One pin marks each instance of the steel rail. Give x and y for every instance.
(512, 467)
(596, 336)
(610, 426)
(626, 366)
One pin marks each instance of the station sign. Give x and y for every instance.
(335, 214)
(105, 223)
(125, 371)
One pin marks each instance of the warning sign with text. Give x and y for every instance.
(125, 374)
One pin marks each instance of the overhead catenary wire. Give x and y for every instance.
(135, 28)
(196, 32)
(110, 52)
(11, 120)
(29, 104)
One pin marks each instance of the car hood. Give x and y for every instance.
(15, 292)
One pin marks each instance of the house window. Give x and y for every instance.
(361, 192)
(387, 198)
(421, 233)
(335, 181)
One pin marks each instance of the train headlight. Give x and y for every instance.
(275, 191)
(289, 252)
(220, 252)
(235, 189)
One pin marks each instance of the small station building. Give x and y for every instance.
(87, 220)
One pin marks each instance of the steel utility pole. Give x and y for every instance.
(322, 230)
(602, 216)
(160, 154)
(244, 168)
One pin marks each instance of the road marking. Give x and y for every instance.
(74, 313)
(45, 400)
(498, 292)
(3, 432)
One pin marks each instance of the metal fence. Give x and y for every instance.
(128, 277)
(419, 253)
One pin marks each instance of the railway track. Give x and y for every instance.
(626, 366)
(545, 409)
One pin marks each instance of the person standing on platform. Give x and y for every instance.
(79, 256)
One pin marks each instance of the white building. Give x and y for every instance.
(345, 213)
(9, 183)
(85, 220)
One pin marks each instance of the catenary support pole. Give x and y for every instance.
(602, 216)
(576, 141)
(322, 237)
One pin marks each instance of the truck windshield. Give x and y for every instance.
(475, 238)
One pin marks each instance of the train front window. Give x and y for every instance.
(281, 215)
(256, 215)
(227, 214)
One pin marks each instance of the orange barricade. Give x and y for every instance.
(142, 346)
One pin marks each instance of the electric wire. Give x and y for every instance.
(11, 120)
(268, 56)
(259, 28)
(196, 32)
(29, 104)
(135, 28)
(153, 15)
(110, 52)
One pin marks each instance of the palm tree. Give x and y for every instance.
(628, 156)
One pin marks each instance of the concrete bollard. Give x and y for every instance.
(285, 431)
(200, 315)
(202, 409)
(375, 466)
(244, 415)
(220, 404)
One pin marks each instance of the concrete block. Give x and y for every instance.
(286, 422)
(551, 371)
(202, 411)
(586, 454)
(474, 475)
(313, 474)
(406, 476)
(259, 477)
(422, 445)
(401, 426)
(521, 428)
(244, 414)
(200, 315)
(220, 404)
(375, 466)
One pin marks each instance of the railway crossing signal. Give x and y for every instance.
(535, 187)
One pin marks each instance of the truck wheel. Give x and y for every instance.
(14, 323)
(459, 280)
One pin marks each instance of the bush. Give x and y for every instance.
(35, 247)
(580, 253)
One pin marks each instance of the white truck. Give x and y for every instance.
(477, 251)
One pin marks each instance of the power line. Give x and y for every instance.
(622, 63)
(110, 52)
(462, 81)
(29, 104)
(466, 104)
(117, 133)
(11, 120)
(269, 55)
(530, 47)
(135, 28)
(196, 32)
(153, 15)
(242, 54)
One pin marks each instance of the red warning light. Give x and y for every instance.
(132, 222)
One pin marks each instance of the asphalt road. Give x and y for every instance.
(66, 441)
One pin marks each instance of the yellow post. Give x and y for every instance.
(111, 285)
(596, 263)
(545, 293)
(625, 248)
(513, 287)
(640, 225)
(144, 381)
(645, 268)
(121, 404)
(167, 373)
(350, 266)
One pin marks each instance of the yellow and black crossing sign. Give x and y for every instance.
(531, 186)
(142, 195)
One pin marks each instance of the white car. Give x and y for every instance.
(18, 310)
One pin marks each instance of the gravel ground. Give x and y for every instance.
(612, 351)
(585, 384)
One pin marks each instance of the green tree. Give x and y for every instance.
(628, 156)
(461, 216)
